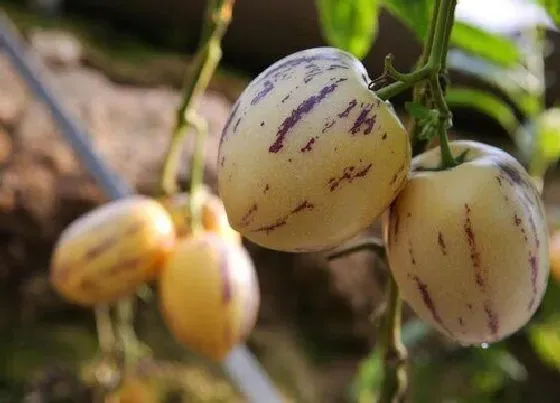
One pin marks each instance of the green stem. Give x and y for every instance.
(197, 170)
(419, 92)
(371, 243)
(395, 384)
(442, 31)
(447, 159)
(105, 334)
(432, 64)
(132, 348)
(406, 81)
(205, 63)
(430, 36)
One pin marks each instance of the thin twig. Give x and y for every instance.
(374, 244)
(132, 347)
(197, 170)
(105, 335)
(204, 65)
(433, 59)
(395, 383)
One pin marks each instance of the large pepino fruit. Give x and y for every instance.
(209, 294)
(109, 252)
(310, 155)
(468, 246)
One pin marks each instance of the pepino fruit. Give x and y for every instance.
(107, 253)
(213, 215)
(136, 390)
(310, 155)
(209, 294)
(468, 246)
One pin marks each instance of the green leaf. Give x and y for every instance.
(486, 103)
(545, 338)
(350, 25)
(540, 141)
(487, 45)
(416, 14)
(552, 7)
(518, 83)
(420, 112)
(548, 134)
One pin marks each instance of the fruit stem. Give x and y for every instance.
(129, 343)
(371, 243)
(206, 60)
(432, 66)
(395, 382)
(432, 63)
(437, 59)
(197, 170)
(105, 335)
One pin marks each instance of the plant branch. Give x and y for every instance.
(105, 335)
(131, 347)
(204, 65)
(374, 244)
(419, 91)
(431, 65)
(197, 170)
(395, 383)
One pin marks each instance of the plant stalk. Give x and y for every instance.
(105, 335)
(395, 381)
(431, 65)
(203, 67)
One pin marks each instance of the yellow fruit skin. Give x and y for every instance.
(214, 216)
(468, 247)
(135, 390)
(209, 294)
(310, 156)
(107, 253)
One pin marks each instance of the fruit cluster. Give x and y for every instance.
(208, 290)
(311, 156)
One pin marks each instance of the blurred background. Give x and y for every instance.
(118, 66)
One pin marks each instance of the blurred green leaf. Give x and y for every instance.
(519, 84)
(545, 338)
(349, 25)
(552, 7)
(539, 141)
(487, 45)
(548, 134)
(486, 103)
(368, 379)
(416, 14)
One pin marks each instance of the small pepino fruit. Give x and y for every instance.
(136, 390)
(468, 246)
(209, 294)
(310, 156)
(213, 214)
(110, 251)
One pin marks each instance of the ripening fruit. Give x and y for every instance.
(136, 390)
(209, 294)
(213, 215)
(310, 156)
(468, 246)
(107, 253)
